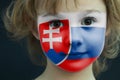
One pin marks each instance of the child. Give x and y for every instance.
(76, 36)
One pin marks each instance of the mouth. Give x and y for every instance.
(73, 53)
(76, 55)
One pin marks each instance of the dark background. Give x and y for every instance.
(16, 65)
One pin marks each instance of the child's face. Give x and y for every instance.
(73, 39)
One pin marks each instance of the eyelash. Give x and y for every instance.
(88, 22)
(55, 23)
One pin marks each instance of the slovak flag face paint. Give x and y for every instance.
(74, 41)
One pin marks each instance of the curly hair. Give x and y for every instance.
(21, 17)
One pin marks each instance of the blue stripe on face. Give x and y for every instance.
(55, 57)
(87, 42)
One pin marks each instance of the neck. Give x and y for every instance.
(54, 73)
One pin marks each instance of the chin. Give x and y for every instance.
(76, 65)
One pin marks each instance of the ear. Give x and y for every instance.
(35, 34)
(107, 31)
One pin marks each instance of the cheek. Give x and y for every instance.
(95, 37)
(94, 40)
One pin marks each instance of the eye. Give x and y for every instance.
(56, 24)
(88, 21)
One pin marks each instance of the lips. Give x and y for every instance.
(73, 53)
(76, 55)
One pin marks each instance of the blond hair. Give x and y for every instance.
(23, 18)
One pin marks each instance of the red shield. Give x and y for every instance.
(57, 39)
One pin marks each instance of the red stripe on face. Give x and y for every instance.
(76, 65)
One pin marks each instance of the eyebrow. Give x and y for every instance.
(47, 14)
(92, 10)
(55, 15)
(84, 11)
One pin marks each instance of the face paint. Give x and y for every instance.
(72, 41)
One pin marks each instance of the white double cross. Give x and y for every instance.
(51, 39)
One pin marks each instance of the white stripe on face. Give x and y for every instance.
(77, 18)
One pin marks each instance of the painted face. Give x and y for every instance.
(72, 41)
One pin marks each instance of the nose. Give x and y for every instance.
(77, 39)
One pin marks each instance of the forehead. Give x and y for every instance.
(58, 6)
(81, 5)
